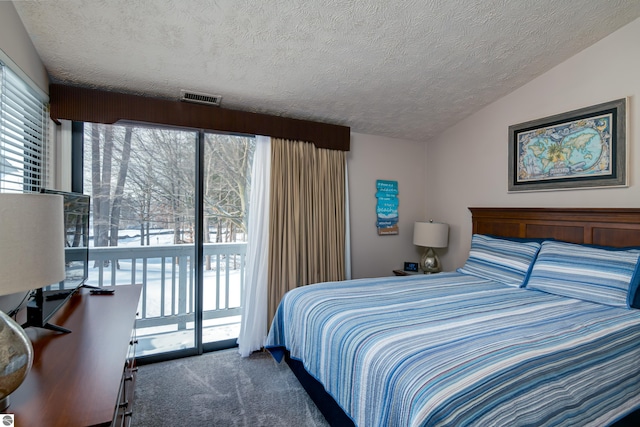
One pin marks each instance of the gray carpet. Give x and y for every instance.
(222, 389)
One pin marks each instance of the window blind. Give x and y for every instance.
(23, 134)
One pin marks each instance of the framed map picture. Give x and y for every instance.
(579, 149)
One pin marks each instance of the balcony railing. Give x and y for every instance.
(167, 277)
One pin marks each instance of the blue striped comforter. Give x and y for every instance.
(453, 349)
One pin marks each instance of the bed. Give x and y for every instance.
(537, 328)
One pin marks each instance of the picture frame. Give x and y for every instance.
(584, 148)
(387, 207)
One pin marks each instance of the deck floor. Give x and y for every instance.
(167, 338)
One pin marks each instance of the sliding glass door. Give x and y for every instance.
(226, 182)
(169, 211)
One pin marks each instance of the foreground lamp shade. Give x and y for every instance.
(31, 256)
(430, 235)
(31, 241)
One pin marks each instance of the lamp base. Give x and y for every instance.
(16, 357)
(430, 263)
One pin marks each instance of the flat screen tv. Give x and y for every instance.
(47, 301)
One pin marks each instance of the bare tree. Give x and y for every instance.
(106, 145)
(95, 181)
(154, 186)
(116, 204)
(228, 182)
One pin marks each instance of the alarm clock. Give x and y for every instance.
(411, 266)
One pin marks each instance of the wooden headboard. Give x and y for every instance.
(599, 226)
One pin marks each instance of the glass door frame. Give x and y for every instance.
(77, 165)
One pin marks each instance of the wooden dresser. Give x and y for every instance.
(81, 378)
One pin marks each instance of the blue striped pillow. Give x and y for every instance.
(599, 275)
(504, 261)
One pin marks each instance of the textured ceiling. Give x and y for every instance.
(405, 69)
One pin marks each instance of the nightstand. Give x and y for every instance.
(406, 273)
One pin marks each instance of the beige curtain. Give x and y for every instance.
(307, 217)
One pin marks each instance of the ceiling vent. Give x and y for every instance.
(200, 98)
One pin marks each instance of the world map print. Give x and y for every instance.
(580, 148)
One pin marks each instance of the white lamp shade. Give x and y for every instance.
(31, 241)
(431, 234)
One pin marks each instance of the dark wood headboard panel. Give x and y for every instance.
(598, 226)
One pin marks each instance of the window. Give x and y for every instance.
(23, 131)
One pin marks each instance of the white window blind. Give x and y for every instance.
(23, 132)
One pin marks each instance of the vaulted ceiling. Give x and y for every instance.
(407, 69)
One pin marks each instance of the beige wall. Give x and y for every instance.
(16, 44)
(468, 163)
(376, 157)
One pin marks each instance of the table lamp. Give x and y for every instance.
(430, 235)
(31, 257)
